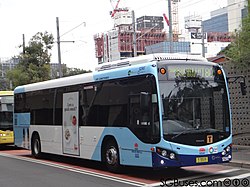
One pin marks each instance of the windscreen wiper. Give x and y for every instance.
(184, 132)
(195, 131)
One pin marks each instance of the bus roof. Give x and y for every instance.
(100, 70)
(6, 93)
(65, 81)
(149, 58)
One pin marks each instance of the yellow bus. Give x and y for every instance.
(6, 117)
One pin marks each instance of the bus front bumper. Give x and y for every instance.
(160, 161)
(6, 138)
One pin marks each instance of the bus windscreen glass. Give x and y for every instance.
(195, 104)
(6, 112)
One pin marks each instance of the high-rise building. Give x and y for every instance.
(237, 9)
(218, 21)
(118, 43)
(150, 22)
(227, 19)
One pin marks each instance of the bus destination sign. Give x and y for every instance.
(190, 71)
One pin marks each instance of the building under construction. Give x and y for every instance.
(118, 43)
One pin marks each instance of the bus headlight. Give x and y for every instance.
(228, 149)
(223, 153)
(166, 153)
(172, 156)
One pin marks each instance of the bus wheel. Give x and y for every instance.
(36, 146)
(111, 156)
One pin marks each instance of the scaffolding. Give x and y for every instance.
(125, 42)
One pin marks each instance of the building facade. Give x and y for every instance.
(218, 21)
(6, 64)
(240, 104)
(149, 22)
(237, 9)
(118, 43)
(164, 47)
(227, 19)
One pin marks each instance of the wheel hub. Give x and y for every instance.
(111, 156)
(36, 146)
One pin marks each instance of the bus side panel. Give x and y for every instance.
(90, 142)
(21, 129)
(50, 137)
(132, 151)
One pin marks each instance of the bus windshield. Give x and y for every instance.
(195, 104)
(6, 112)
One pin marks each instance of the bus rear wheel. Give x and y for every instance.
(36, 146)
(111, 157)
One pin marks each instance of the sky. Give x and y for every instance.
(79, 21)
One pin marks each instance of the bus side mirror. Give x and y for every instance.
(243, 87)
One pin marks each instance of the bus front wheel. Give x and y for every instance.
(111, 156)
(36, 146)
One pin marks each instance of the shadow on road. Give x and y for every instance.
(9, 147)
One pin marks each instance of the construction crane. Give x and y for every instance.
(112, 13)
(166, 19)
(175, 16)
(174, 19)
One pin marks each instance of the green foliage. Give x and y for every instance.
(34, 62)
(239, 50)
(75, 71)
(18, 77)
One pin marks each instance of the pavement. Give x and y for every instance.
(240, 157)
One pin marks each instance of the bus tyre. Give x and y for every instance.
(111, 157)
(36, 146)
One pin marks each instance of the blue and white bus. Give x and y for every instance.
(161, 110)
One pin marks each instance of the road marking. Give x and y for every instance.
(72, 169)
(195, 177)
(227, 171)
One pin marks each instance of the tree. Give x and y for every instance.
(34, 61)
(75, 71)
(239, 50)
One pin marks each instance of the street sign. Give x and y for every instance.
(197, 35)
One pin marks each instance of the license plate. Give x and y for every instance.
(201, 159)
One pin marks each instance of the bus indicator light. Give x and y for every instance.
(163, 71)
(219, 72)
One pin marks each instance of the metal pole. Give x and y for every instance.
(59, 48)
(23, 44)
(134, 34)
(170, 26)
(202, 40)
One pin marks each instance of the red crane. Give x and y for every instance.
(115, 9)
(166, 19)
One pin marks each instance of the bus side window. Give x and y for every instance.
(134, 110)
(83, 107)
